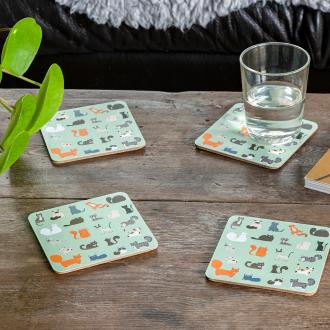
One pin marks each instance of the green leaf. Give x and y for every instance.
(14, 151)
(49, 98)
(21, 46)
(20, 119)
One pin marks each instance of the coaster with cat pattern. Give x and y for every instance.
(270, 254)
(92, 131)
(228, 136)
(91, 232)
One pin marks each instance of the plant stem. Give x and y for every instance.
(23, 78)
(6, 105)
(4, 29)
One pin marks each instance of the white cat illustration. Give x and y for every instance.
(55, 229)
(237, 238)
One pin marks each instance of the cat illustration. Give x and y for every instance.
(274, 227)
(132, 143)
(114, 214)
(320, 246)
(217, 265)
(229, 247)
(65, 250)
(267, 238)
(103, 230)
(56, 215)
(125, 125)
(251, 278)
(310, 259)
(79, 132)
(97, 257)
(55, 229)
(112, 241)
(256, 224)
(278, 269)
(303, 285)
(54, 242)
(237, 238)
(258, 251)
(39, 219)
(319, 232)
(75, 221)
(304, 271)
(81, 233)
(95, 206)
(115, 106)
(275, 282)
(116, 199)
(131, 221)
(255, 265)
(255, 147)
(77, 122)
(207, 137)
(231, 260)
(139, 245)
(295, 231)
(94, 217)
(74, 210)
(120, 251)
(88, 246)
(283, 256)
(285, 241)
(58, 128)
(128, 209)
(124, 115)
(57, 151)
(134, 232)
(66, 263)
(237, 223)
(238, 142)
(303, 245)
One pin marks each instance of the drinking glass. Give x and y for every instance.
(274, 81)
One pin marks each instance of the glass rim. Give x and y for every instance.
(303, 67)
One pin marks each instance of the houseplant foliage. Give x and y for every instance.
(30, 112)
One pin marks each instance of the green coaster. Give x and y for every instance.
(92, 131)
(91, 232)
(270, 254)
(228, 136)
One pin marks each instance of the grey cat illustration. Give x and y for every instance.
(311, 259)
(132, 143)
(39, 219)
(77, 122)
(89, 246)
(319, 232)
(138, 245)
(255, 265)
(237, 223)
(131, 221)
(112, 241)
(125, 125)
(274, 227)
(267, 238)
(303, 285)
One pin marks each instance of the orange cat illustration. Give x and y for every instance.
(295, 231)
(66, 263)
(259, 251)
(95, 206)
(207, 140)
(81, 233)
(217, 264)
(57, 151)
(244, 131)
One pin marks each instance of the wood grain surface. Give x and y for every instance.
(186, 197)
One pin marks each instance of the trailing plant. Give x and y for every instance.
(30, 112)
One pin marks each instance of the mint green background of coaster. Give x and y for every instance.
(114, 214)
(241, 254)
(227, 129)
(116, 121)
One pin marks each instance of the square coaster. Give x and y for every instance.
(228, 136)
(270, 254)
(91, 232)
(92, 131)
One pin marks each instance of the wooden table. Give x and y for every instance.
(186, 196)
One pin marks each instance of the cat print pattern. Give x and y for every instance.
(90, 232)
(92, 131)
(271, 254)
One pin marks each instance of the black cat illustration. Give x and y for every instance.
(124, 115)
(115, 106)
(319, 232)
(255, 147)
(275, 282)
(128, 209)
(77, 122)
(112, 241)
(320, 246)
(267, 238)
(89, 246)
(75, 221)
(254, 265)
(116, 199)
(278, 269)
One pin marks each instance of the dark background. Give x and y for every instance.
(96, 56)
